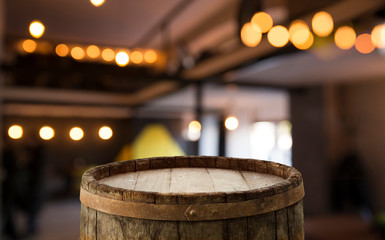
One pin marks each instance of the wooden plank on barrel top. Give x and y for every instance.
(190, 180)
(124, 180)
(154, 180)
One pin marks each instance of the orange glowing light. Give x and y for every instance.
(15, 132)
(345, 37)
(108, 55)
(62, 50)
(77, 53)
(150, 56)
(136, 57)
(278, 36)
(322, 24)
(76, 133)
(250, 36)
(378, 36)
(97, 3)
(364, 43)
(262, 22)
(93, 51)
(29, 45)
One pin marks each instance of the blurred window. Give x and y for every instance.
(272, 141)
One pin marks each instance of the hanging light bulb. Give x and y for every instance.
(97, 3)
(322, 24)
(345, 37)
(262, 22)
(278, 36)
(251, 36)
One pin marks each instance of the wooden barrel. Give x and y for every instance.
(192, 197)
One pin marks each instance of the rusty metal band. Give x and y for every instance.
(192, 212)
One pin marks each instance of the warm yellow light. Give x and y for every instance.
(345, 37)
(262, 22)
(322, 24)
(194, 126)
(278, 36)
(364, 43)
(136, 57)
(29, 45)
(105, 133)
(62, 50)
(46, 133)
(36, 29)
(15, 132)
(93, 51)
(378, 36)
(299, 32)
(97, 3)
(122, 58)
(307, 44)
(231, 123)
(250, 36)
(108, 55)
(77, 53)
(76, 133)
(150, 56)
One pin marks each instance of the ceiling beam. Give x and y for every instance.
(36, 95)
(342, 11)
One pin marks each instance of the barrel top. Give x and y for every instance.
(191, 180)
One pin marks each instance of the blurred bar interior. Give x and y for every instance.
(299, 82)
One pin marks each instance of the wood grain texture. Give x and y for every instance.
(192, 180)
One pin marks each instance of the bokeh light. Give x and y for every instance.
(322, 24)
(345, 37)
(77, 53)
(364, 43)
(29, 45)
(378, 36)
(231, 123)
(36, 29)
(300, 35)
(194, 130)
(262, 22)
(105, 133)
(278, 36)
(93, 51)
(150, 56)
(122, 58)
(46, 133)
(15, 132)
(76, 133)
(108, 54)
(62, 50)
(250, 36)
(136, 57)
(97, 3)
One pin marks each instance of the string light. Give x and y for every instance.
(97, 3)
(150, 56)
(46, 133)
(364, 44)
(231, 123)
(108, 55)
(122, 59)
(136, 57)
(378, 36)
(29, 45)
(278, 36)
(262, 22)
(62, 50)
(194, 131)
(36, 29)
(93, 51)
(250, 36)
(15, 132)
(76, 133)
(77, 53)
(322, 24)
(105, 133)
(345, 37)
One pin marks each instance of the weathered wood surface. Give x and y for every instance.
(191, 180)
(199, 180)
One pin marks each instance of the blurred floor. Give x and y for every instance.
(60, 221)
